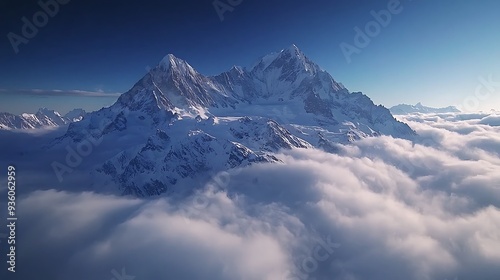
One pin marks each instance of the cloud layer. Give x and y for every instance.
(382, 208)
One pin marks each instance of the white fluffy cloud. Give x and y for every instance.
(382, 208)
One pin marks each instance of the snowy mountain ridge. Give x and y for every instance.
(42, 118)
(403, 109)
(176, 125)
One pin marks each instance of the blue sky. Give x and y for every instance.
(430, 51)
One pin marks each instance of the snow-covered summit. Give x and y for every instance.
(172, 63)
(289, 62)
(180, 124)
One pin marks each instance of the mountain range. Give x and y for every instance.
(42, 118)
(403, 109)
(176, 125)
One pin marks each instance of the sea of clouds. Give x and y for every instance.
(382, 208)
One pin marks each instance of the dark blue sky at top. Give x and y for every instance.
(108, 45)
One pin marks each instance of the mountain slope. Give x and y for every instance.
(176, 125)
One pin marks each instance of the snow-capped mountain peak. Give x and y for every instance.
(48, 112)
(50, 117)
(238, 70)
(293, 49)
(187, 124)
(293, 53)
(172, 63)
(287, 60)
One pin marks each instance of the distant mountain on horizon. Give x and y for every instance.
(403, 109)
(42, 118)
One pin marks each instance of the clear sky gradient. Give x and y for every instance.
(432, 52)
